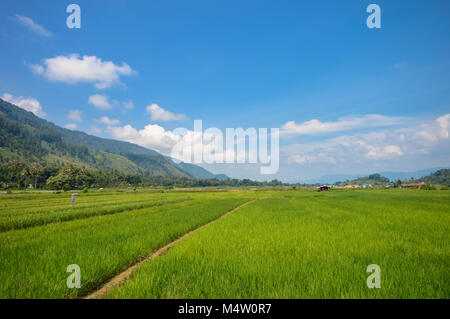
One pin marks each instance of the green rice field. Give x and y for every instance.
(282, 244)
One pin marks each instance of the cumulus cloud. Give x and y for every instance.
(303, 159)
(100, 101)
(343, 124)
(75, 115)
(444, 125)
(182, 144)
(383, 151)
(71, 126)
(27, 103)
(73, 69)
(33, 26)
(411, 141)
(152, 136)
(159, 114)
(107, 121)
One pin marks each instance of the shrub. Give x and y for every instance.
(428, 187)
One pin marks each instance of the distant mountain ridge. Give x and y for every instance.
(393, 176)
(26, 137)
(221, 177)
(197, 171)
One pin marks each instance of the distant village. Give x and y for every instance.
(348, 186)
(437, 180)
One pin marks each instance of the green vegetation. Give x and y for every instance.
(33, 261)
(310, 245)
(20, 175)
(13, 214)
(287, 244)
(25, 137)
(440, 177)
(374, 179)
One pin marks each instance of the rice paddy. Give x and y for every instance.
(285, 244)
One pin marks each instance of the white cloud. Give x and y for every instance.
(432, 136)
(375, 151)
(444, 125)
(155, 137)
(159, 114)
(382, 152)
(107, 121)
(152, 136)
(26, 103)
(343, 124)
(71, 126)
(432, 133)
(33, 26)
(100, 101)
(129, 105)
(73, 69)
(75, 115)
(320, 158)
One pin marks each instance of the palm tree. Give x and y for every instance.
(35, 170)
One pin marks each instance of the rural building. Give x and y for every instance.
(324, 188)
(353, 186)
(413, 185)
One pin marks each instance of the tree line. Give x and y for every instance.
(20, 175)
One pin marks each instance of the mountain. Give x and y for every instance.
(195, 170)
(441, 177)
(328, 179)
(221, 177)
(26, 137)
(374, 179)
(393, 176)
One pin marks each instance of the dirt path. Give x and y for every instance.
(118, 279)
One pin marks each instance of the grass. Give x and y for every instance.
(311, 245)
(38, 212)
(33, 261)
(288, 244)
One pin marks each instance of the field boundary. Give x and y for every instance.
(69, 218)
(124, 275)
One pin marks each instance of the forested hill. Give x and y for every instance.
(26, 137)
(374, 179)
(440, 177)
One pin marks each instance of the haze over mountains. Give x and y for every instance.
(393, 176)
(26, 137)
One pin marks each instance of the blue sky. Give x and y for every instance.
(243, 64)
